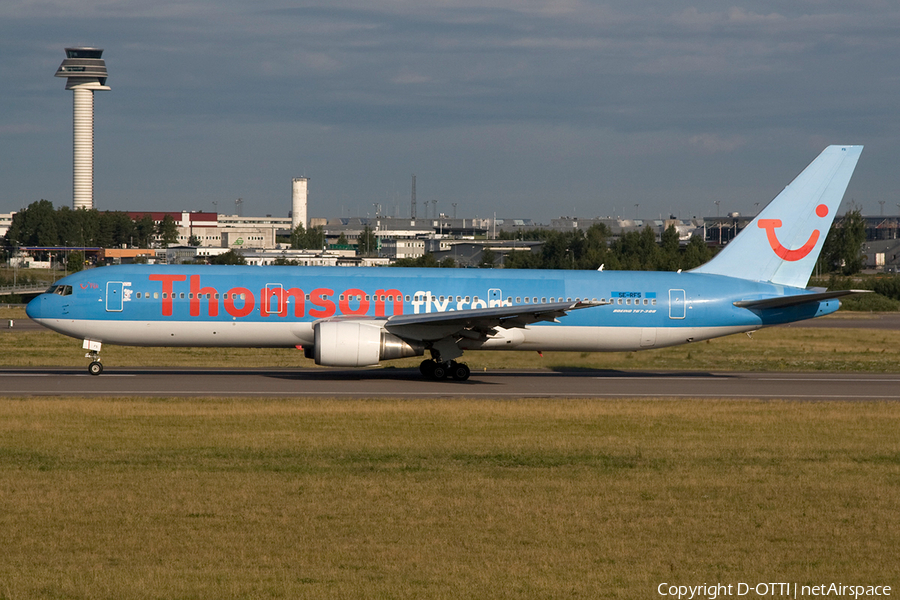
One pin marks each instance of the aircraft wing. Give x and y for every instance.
(479, 321)
(796, 300)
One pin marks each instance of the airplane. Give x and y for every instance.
(360, 316)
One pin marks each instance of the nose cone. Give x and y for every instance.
(33, 310)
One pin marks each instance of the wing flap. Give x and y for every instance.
(433, 326)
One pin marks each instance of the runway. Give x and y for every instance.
(407, 383)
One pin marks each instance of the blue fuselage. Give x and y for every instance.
(134, 304)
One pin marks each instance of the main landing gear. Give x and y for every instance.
(433, 369)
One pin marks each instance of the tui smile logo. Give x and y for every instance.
(770, 225)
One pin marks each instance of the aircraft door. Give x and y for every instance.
(676, 304)
(274, 296)
(115, 291)
(495, 297)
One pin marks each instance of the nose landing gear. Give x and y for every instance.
(93, 348)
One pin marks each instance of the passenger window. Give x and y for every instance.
(155, 295)
(181, 295)
(518, 299)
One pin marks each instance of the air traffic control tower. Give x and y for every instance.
(85, 73)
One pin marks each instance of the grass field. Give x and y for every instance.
(231, 498)
(235, 498)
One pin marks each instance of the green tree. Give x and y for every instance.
(426, 260)
(695, 253)
(144, 230)
(34, 225)
(282, 261)
(232, 257)
(488, 259)
(669, 250)
(313, 238)
(367, 244)
(167, 231)
(75, 261)
(298, 237)
(842, 250)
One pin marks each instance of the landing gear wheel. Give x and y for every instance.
(95, 368)
(426, 368)
(439, 371)
(459, 371)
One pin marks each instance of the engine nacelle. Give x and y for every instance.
(358, 344)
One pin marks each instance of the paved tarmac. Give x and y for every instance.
(407, 383)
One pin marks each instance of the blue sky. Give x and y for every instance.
(524, 108)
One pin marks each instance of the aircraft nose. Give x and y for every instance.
(33, 309)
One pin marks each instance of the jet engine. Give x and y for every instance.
(358, 344)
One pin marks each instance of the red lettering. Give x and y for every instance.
(167, 295)
(245, 310)
(299, 303)
(196, 292)
(363, 303)
(380, 295)
(319, 298)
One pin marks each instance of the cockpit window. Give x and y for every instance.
(60, 290)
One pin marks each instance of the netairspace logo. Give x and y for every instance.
(771, 590)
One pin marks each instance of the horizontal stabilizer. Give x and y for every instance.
(795, 300)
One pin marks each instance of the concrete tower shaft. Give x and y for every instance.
(299, 202)
(85, 73)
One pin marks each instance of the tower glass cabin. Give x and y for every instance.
(85, 73)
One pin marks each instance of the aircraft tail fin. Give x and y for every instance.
(781, 245)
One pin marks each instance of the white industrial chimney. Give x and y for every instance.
(300, 198)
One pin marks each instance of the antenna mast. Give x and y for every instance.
(412, 209)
